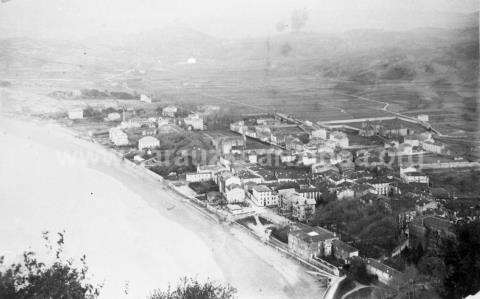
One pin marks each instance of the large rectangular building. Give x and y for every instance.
(264, 196)
(309, 242)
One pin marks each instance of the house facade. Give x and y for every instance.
(148, 142)
(309, 242)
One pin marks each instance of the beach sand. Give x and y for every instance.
(136, 235)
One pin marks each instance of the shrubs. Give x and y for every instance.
(32, 278)
(189, 288)
(281, 233)
(357, 270)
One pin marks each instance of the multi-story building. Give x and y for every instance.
(292, 204)
(311, 242)
(118, 137)
(194, 121)
(303, 208)
(226, 144)
(309, 191)
(198, 176)
(431, 146)
(412, 175)
(345, 190)
(343, 251)
(319, 133)
(382, 185)
(234, 193)
(212, 170)
(293, 144)
(148, 142)
(264, 196)
(169, 111)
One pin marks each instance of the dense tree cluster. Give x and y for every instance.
(453, 267)
(370, 226)
(357, 270)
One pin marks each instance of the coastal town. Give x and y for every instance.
(284, 180)
(240, 149)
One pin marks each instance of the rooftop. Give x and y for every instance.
(313, 234)
(382, 267)
(261, 188)
(344, 246)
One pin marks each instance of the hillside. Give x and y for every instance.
(430, 70)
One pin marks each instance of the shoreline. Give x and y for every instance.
(295, 282)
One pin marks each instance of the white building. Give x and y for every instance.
(198, 176)
(194, 121)
(131, 123)
(433, 147)
(339, 138)
(75, 114)
(412, 175)
(309, 159)
(345, 192)
(212, 170)
(320, 133)
(382, 186)
(232, 180)
(234, 193)
(148, 142)
(264, 196)
(162, 121)
(423, 117)
(118, 137)
(287, 157)
(169, 111)
(113, 116)
(412, 140)
(145, 99)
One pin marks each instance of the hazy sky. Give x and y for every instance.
(77, 19)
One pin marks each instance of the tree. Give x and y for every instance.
(461, 258)
(358, 271)
(412, 284)
(189, 288)
(32, 278)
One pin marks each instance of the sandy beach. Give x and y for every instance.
(137, 236)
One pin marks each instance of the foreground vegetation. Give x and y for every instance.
(32, 278)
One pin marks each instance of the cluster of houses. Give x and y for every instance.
(396, 132)
(314, 244)
(239, 184)
(327, 165)
(147, 127)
